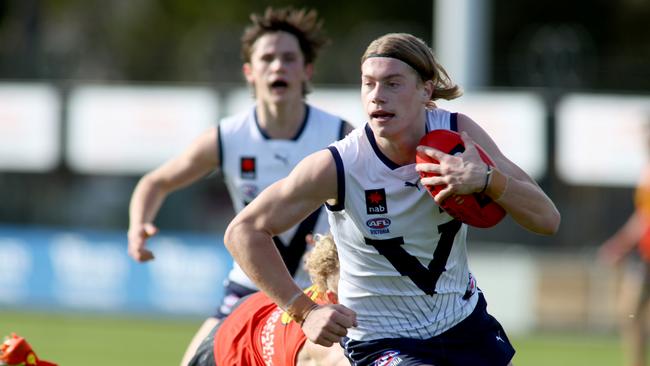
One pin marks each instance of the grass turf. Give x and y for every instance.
(568, 349)
(90, 339)
(76, 340)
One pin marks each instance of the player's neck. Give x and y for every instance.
(400, 154)
(401, 147)
(281, 120)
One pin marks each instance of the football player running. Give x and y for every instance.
(409, 296)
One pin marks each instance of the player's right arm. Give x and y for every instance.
(199, 159)
(279, 207)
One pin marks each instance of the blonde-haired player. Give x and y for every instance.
(258, 332)
(408, 293)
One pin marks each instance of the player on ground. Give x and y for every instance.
(254, 148)
(258, 332)
(409, 296)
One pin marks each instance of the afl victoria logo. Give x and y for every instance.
(380, 223)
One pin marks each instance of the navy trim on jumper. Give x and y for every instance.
(294, 138)
(220, 147)
(371, 138)
(453, 122)
(340, 181)
(304, 123)
(426, 124)
(342, 128)
(292, 252)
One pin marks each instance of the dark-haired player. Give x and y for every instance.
(255, 147)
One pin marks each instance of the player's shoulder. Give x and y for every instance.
(326, 125)
(353, 137)
(349, 148)
(235, 121)
(329, 121)
(316, 112)
(438, 118)
(439, 113)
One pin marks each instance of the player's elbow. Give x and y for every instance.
(550, 223)
(151, 183)
(230, 237)
(240, 234)
(540, 222)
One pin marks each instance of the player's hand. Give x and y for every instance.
(137, 241)
(327, 324)
(462, 174)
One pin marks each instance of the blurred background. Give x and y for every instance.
(93, 94)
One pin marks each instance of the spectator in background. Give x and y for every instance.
(258, 332)
(634, 238)
(254, 148)
(409, 296)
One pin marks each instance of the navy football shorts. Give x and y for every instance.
(478, 340)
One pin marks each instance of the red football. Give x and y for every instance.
(476, 209)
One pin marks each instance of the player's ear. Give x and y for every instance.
(309, 71)
(427, 90)
(248, 72)
(332, 297)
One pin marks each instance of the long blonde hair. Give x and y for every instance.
(415, 53)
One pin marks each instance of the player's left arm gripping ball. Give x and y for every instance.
(475, 209)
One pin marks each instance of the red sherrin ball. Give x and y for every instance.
(474, 209)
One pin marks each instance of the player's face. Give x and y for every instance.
(277, 69)
(393, 96)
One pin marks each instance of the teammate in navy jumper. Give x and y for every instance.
(409, 296)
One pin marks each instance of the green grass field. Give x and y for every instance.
(82, 340)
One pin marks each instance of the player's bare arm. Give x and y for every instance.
(509, 185)
(199, 159)
(276, 209)
(519, 194)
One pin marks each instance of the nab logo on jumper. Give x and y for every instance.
(376, 202)
(247, 167)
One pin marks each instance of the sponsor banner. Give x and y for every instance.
(602, 139)
(131, 129)
(29, 127)
(90, 270)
